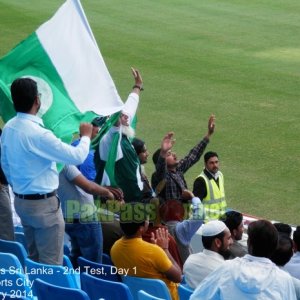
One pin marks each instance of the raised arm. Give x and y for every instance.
(166, 145)
(132, 102)
(138, 81)
(196, 152)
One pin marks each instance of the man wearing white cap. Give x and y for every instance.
(216, 239)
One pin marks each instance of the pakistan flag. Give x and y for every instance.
(62, 56)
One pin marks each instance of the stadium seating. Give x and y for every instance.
(20, 237)
(67, 263)
(10, 261)
(15, 248)
(184, 292)
(57, 275)
(142, 295)
(156, 287)
(98, 288)
(48, 291)
(106, 259)
(98, 270)
(18, 228)
(15, 284)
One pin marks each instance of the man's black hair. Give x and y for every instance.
(262, 238)
(283, 228)
(296, 237)
(232, 219)
(155, 156)
(23, 92)
(99, 121)
(284, 250)
(131, 228)
(209, 154)
(208, 240)
(138, 145)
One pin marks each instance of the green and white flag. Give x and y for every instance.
(63, 57)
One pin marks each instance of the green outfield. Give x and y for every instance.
(237, 59)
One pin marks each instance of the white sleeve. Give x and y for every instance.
(53, 149)
(106, 141)
(209, 287)
(131, 105)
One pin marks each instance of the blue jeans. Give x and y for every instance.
(86, 241)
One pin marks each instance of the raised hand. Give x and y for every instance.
(211, 124)
(86, 129)
(137, 78)
(167, 143)
(161, 238)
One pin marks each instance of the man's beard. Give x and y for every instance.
(128, 131)
(224, 252)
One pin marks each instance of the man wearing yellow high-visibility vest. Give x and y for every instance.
(209, 187)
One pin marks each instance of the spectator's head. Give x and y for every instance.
(24, 94)
(155, 156)
(211, 160)
(216, 237)
(172, 210)
(134, 229)
(262, 238)
(125, 120)
(283, 228)
(284, 250)
(234, 222)
(97, 123)
(296, 238)
(171, 159)
(141, 150)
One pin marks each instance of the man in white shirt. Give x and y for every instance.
(216, 239)
(293, 266)
(253, 276)
(29, 153)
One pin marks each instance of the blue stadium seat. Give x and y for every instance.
(106, 259)
(98, 288)
(184, 292)
(66, 262)
(142, 295)
(155, 287)
(15, 248)
(13, 296)
(15, 284)
(20, 237)
(98, 270)
(57, 275)
(19, 228)
(66, 250)
(10, 261)
(48, 291)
